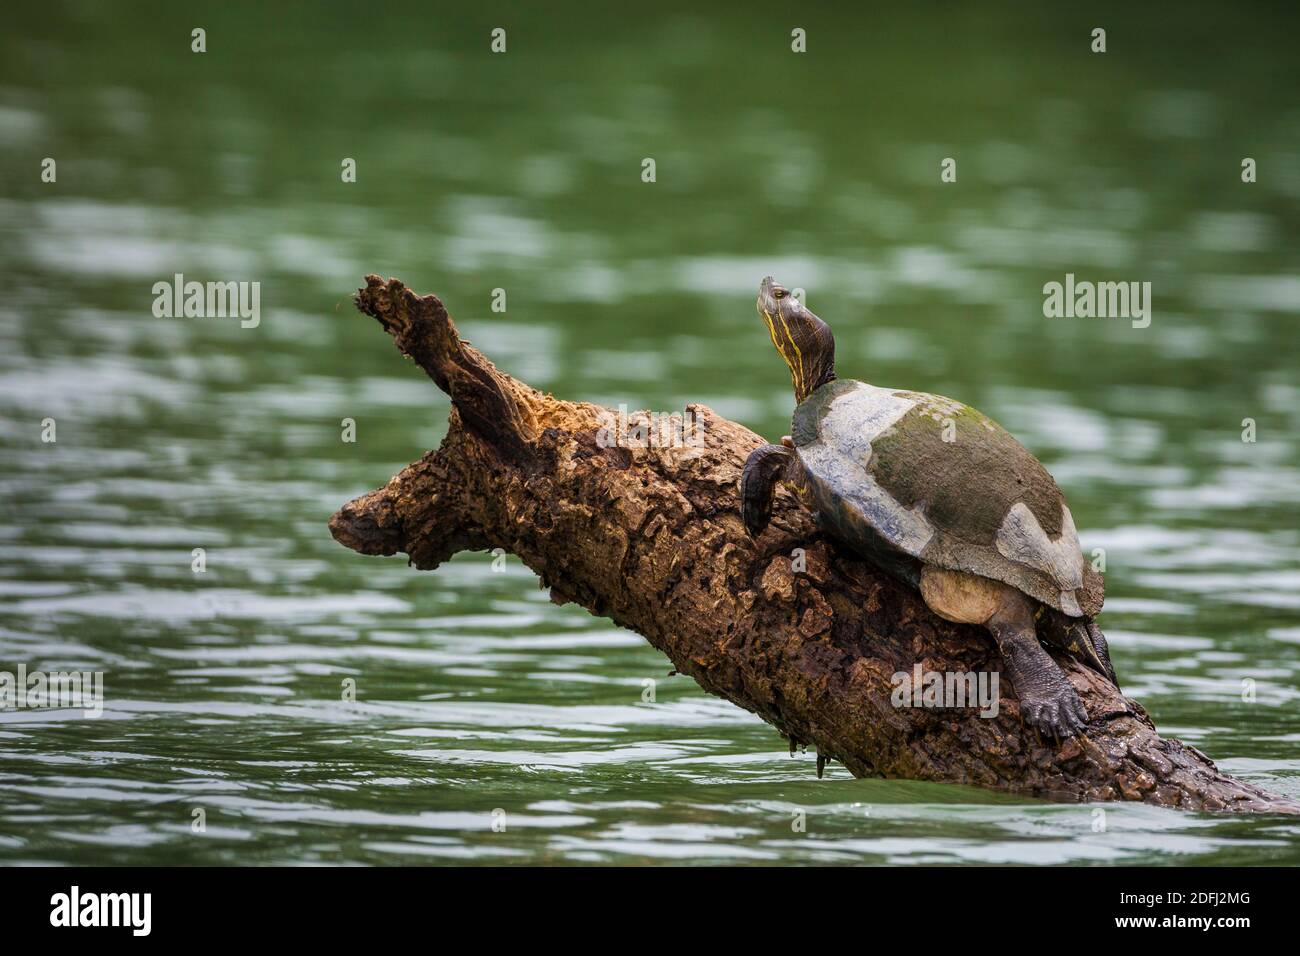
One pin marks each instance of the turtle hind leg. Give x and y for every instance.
(1081, 639)
(1102, 649)
(1048, 701)
(765, 466)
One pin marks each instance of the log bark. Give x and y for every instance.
(651, 537)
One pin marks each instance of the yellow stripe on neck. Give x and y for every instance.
(795, 364)
(799, 379)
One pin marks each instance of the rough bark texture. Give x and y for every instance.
(652, 538)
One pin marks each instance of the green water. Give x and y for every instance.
(522, 171)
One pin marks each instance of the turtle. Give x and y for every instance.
(942, 498)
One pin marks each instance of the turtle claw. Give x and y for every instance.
(1060, 716)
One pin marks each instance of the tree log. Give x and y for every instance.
(651, 537)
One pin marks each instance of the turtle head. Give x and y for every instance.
(804, 341)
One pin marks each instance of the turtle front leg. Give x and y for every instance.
(1048, 701)
(765, 466)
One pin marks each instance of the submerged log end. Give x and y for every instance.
(370, 525)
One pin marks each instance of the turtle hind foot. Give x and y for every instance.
(1048, 701)
(1059, 715)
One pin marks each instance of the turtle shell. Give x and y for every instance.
(932, 479)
